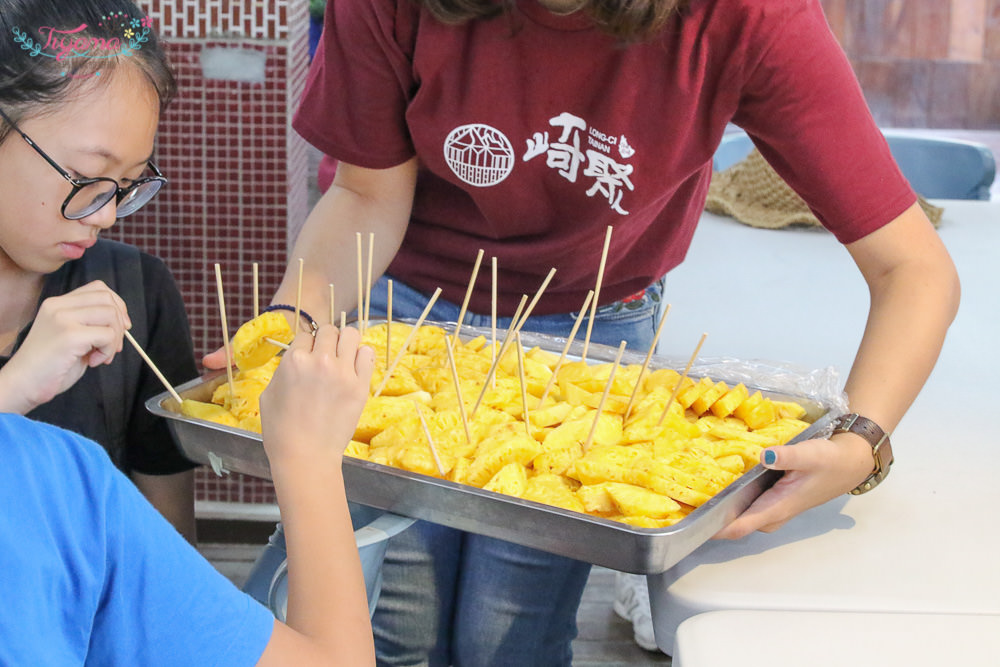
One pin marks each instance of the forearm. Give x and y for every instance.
(914, 296)
(327, 601)
(912, 306)
(359, 201)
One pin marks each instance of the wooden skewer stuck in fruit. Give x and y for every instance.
(361, 286)
(496, 359)
(388, 322)
(458, 393)
(645, 363)
(406, 343)
(468, 295)
(604, 397)
(430, 440)
(523, 383)
(680, 380)
(368, 282)
(569, 342)
(597, 293)
(225, 327)
(256, 289)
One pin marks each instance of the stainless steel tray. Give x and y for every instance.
(580, 536)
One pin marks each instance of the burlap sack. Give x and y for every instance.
(753, 193)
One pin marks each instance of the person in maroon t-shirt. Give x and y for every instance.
(526, 128)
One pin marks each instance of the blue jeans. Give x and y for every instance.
(456, 598)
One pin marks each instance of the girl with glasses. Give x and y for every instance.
(100, 576)
(76, 142)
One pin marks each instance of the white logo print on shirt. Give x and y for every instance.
(624, 149)
(611, 179)
(479, 154)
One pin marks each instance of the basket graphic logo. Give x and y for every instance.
(479, 154)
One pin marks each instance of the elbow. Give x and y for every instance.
(952, 290)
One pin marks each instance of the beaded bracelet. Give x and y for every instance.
(313, 327)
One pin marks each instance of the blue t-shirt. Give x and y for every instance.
(91, 574)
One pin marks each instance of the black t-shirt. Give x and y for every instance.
(107, 404)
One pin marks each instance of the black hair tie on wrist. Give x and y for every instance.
(313, 327)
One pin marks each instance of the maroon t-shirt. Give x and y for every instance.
(535, 132)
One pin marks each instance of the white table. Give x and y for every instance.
(928, 539)
(835, 639)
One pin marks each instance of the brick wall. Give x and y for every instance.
(237, 172)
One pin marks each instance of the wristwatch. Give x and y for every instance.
(877, 438)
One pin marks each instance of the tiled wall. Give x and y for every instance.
(237, 172)
(924, 63)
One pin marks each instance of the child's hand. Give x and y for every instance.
(71, 333)
(312, 404)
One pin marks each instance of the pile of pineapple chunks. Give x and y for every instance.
(646, 468)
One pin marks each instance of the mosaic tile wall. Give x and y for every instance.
(237, 172)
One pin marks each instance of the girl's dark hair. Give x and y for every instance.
(31, 77)
(627, 20)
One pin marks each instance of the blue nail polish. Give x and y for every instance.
(770, 457)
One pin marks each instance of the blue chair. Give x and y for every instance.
(937, 168)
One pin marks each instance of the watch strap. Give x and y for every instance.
(879, 441)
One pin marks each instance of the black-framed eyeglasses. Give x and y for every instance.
(89, 195)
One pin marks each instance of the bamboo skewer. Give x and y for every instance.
(516, 323)
(333, 311)
(534, 301)
(597, 292)
(343, 320)
(278, 343)
(572, 335)
(520, 375)
(508, 337)
(458, 393)
(468, 295)
(406, 343)
(645, 363)
(368, 281)
(680, 380)
(361, 287)
(256, 290)
(225, 328)
(430, 440)
(604, 397)
(388, 323)
(493, 315)
(152, 367)
(496, 360)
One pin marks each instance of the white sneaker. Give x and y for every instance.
(632, 605)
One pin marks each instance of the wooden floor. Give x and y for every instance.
(604, 640)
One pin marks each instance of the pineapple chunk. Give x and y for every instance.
(511, 480)
(249, 347)
(725, 406)
(701, 404)
(634, 500)
(209, 412)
